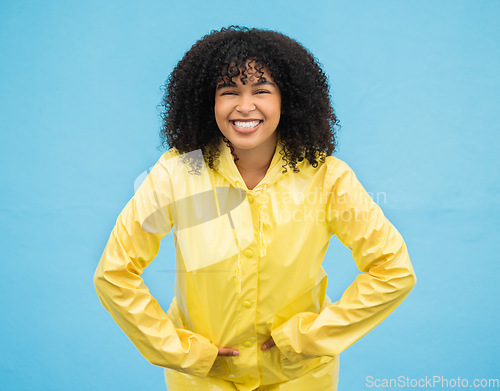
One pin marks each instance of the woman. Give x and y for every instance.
(253, 196)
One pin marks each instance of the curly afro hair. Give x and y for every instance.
(307, 124)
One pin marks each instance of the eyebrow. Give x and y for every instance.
(256, 84)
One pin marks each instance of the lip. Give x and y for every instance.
(245, 131)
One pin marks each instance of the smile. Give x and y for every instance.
(245, 126)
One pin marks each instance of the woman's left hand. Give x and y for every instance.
(268, 344)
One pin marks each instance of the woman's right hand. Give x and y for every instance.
(228, 352)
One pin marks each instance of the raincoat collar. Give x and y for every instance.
(227, 167)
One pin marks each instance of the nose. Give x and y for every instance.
(245, 104)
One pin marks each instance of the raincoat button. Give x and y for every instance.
(247, 344)
(250, 199)
(248, 253)
(247, 304)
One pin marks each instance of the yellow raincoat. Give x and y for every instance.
(249, 266)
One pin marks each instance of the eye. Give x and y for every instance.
(262, 92)
(228, 93)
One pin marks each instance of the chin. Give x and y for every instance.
(243, 146)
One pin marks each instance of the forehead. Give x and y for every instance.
(246, 71)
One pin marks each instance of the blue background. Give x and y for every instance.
(416, 87)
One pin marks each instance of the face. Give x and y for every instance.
(248, 114)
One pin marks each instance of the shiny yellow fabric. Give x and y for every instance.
(323, 378)
(251, 270)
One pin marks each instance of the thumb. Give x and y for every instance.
(268, 344)
(228, 352)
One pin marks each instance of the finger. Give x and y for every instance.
(268, 344)
(228, 352)
(271, 343)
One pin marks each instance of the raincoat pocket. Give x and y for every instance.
(220, 368)
(294, 370)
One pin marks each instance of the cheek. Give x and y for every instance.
(219, 111)
(277, 107)
(220, 117)
(278, 110)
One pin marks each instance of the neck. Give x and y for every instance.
(255, 161)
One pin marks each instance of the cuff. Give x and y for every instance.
(289, 337)
(201, 359)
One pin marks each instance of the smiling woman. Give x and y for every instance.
(253, 196)
(247, 113)
(228, 58)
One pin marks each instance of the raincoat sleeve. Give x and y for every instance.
(133, 244)
(379, 252)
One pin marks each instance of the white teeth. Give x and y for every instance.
(246, 125)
